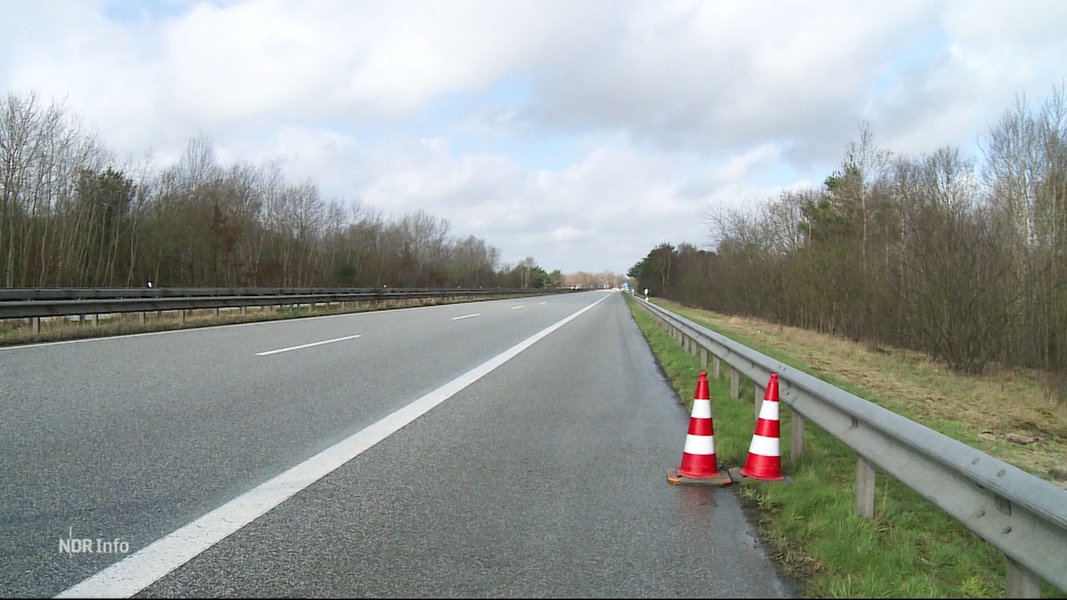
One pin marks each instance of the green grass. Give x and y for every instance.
(909, 549)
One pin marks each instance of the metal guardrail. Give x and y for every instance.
(71, 293)
(18, 303)
(1024, 516)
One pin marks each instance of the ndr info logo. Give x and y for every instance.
(72, 545)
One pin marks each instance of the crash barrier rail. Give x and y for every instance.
(1022, 515)
(34, 303)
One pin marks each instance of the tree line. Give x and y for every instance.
(71, 217)
(962, 259)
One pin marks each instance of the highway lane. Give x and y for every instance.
(546, 472)
(132, 437)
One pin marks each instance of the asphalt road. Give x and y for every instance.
(509, 448)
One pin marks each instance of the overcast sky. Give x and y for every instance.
(581, 133)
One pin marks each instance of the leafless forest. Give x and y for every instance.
(962, 258)
(70, 216)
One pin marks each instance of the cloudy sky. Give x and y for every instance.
(581, 133)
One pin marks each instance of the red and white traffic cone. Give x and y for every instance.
(699, 464)
(764, 453)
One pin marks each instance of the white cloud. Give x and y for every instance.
(580, 133)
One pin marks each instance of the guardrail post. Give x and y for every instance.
(735, 383)
(1020, 582)
(96, 319)
(796, 435)
(35, 324)
(181, 316)
(703, 358)
(865, 477)
(716, 367)
(757, 397)
(140, 317)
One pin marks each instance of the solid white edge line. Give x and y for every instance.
(302, 346)
(141, 569)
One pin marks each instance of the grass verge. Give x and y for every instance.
(909, 549)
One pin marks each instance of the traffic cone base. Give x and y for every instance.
(699, 465)
(721, 478)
